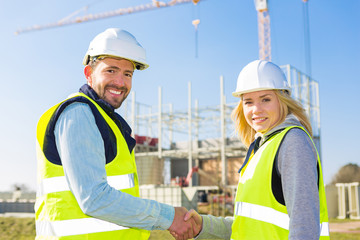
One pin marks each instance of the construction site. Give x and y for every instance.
(197, 148)
(182, 155)
(191, 156)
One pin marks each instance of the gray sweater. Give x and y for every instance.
(297, 166)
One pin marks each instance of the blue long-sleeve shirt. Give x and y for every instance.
(81, 149)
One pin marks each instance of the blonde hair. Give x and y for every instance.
(288, 105)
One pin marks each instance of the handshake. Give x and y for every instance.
(186, 224)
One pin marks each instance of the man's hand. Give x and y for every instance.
(197, 227)
(180, 229)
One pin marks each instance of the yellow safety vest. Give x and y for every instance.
(258, 215)
(57, 213)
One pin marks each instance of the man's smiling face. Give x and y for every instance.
(111, 79)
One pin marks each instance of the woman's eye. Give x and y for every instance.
(266, 100)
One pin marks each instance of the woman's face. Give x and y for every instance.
(261, 110)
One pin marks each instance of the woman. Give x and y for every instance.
(280, 194)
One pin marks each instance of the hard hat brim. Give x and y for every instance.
(239, 94)
(138, 65)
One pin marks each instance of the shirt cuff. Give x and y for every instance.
(165, 218)
(204, 228)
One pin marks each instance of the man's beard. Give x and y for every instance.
(117, 103)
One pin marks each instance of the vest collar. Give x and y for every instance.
(110, 110)
(290, 120)
(90, 92)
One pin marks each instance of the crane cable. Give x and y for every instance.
(196, 23)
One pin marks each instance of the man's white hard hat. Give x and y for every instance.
(260, 75)
(114, 42)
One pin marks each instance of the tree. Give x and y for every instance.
(347, 174)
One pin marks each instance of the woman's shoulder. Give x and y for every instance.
(297, 144)
(297, 135)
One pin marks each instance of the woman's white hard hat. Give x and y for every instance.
(260, 75)
(114, 42)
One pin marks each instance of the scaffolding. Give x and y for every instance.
(207, 132)
(306, 91)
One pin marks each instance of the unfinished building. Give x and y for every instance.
(164, 157)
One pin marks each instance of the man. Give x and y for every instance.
(88, 185)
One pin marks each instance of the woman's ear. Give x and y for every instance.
(88, 72)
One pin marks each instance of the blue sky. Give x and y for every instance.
(40, 68)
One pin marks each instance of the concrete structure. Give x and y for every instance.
(343, 204)
(332, 201)
(354, 200)
(150, 168)
(348, 200)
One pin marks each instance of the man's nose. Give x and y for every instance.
(120, 80)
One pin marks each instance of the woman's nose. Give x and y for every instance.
(257, 108)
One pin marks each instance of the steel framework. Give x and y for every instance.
(209, 122)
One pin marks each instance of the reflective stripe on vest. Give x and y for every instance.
(262, 213)
(75, 227)
(270, 215)
(58, 184)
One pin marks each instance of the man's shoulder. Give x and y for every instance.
(76, 107)
(75, 104)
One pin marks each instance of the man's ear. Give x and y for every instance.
(88, 71)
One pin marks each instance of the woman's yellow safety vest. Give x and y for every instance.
(57, 213)
(258, 215)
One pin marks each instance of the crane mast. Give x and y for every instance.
(263, 30)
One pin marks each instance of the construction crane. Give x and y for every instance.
(261, 7)
(91, 17)
(263, 30)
